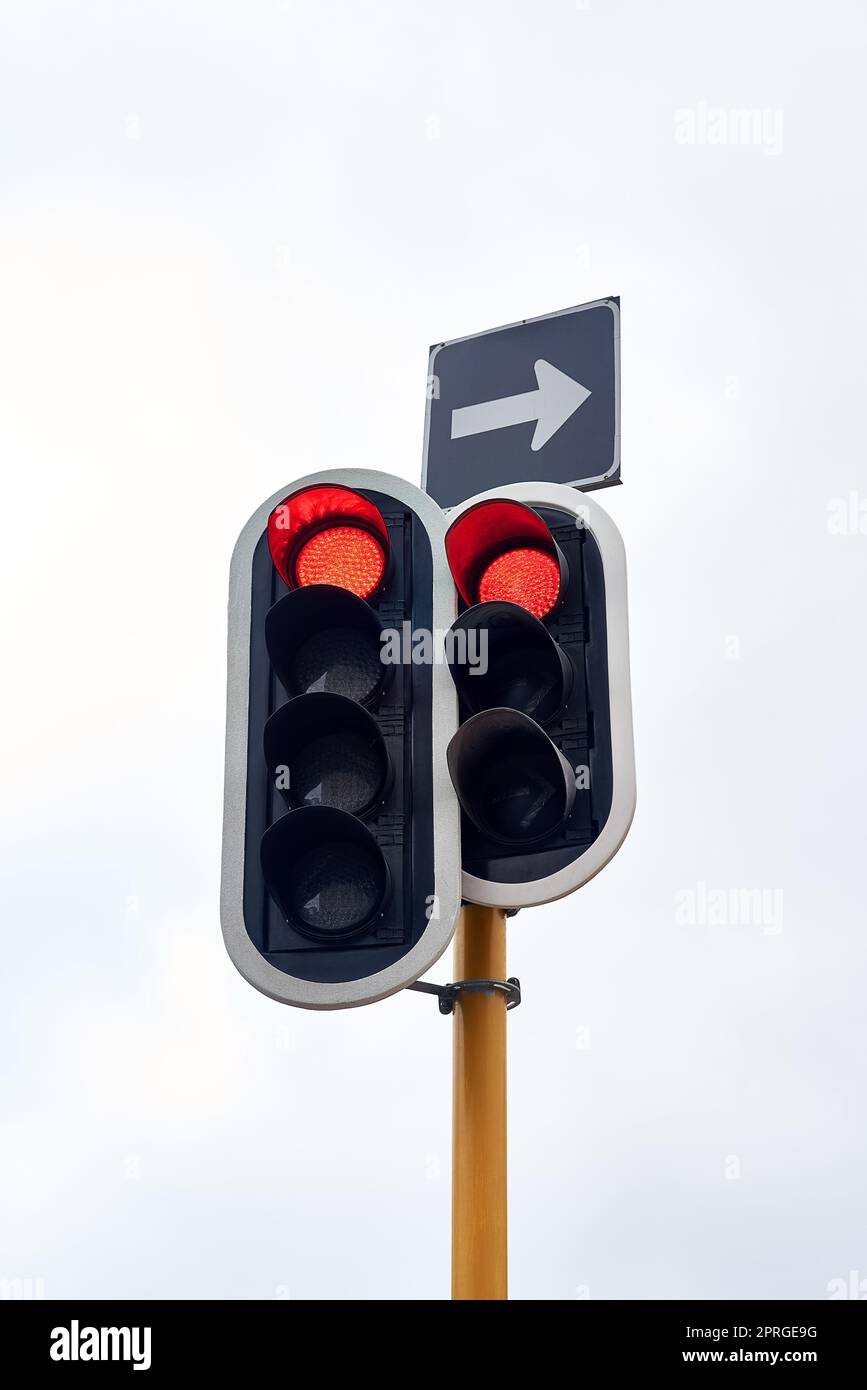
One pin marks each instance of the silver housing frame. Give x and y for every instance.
(603, 530)
(289, 989)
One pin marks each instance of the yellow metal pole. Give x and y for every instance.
(479, 1243)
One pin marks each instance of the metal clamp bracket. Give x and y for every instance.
(447, 994)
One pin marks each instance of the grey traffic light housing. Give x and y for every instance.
(579, 706)
(392, 847)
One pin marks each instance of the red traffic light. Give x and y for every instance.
(343, 555)
(503, 550)
(526, 576)
(329, 535)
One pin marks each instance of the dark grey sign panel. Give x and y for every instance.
(537, 400)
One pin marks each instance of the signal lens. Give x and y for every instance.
(325, 871)
(328, 534)
(343, 555)
(323, 638)
(526, 576)
(527, 671)
(511, 547)
(512, 781)
(325, 750)
(339, 769)
(340, 660)
(337, 889)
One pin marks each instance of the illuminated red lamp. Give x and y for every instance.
(503, 550)
(328, 534)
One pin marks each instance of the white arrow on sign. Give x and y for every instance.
(555, 400)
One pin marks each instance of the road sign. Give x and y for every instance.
(543, 762)
(341, 852)
(536, 399)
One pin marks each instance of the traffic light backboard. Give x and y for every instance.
(543, 762)
(341, 855)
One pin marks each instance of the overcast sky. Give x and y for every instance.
(228, 234)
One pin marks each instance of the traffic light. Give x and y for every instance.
(543, 760)
(341, 853)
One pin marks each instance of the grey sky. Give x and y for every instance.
(228, 233)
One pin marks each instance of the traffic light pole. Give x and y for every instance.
(479, 1199)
